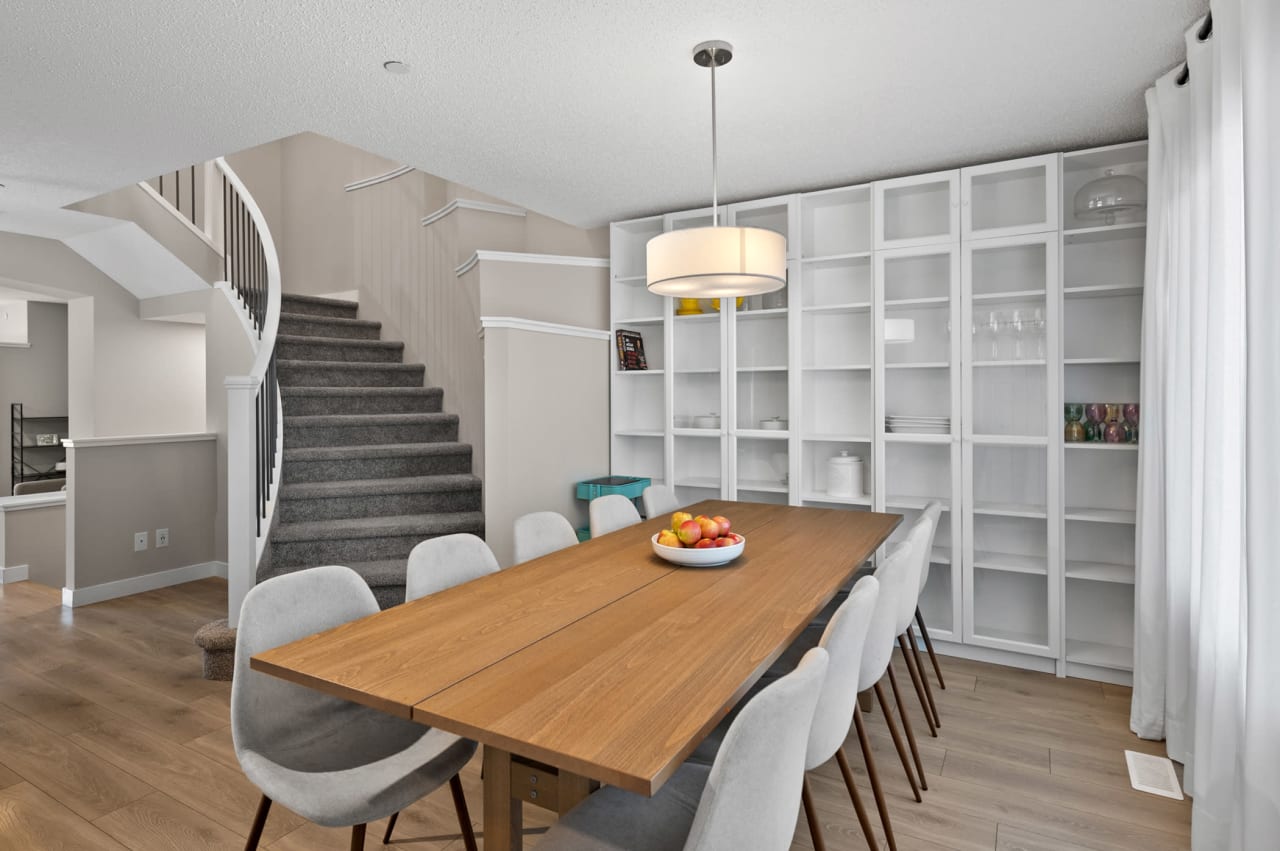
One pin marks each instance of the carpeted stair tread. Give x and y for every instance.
(425, 525)
(380, 574)
(311, 305)
(361, 487)
(314, 373)
(309, 324)
(382, 450)
(364, 392)
(293, 342)
(329, 420)
(370, 366)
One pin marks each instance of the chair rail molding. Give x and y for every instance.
(517, 323)
(377, 178)
(469, 204)
(523, 257)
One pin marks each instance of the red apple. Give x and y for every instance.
(737, 539)
(725, 542)
(689, 533)
(705, 544)
(725, 525)
(710, 528)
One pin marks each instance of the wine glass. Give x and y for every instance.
(993, 329)
(1038, 328)
(1018, 327)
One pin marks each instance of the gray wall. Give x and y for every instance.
(35, 376)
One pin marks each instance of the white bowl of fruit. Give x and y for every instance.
(698, 541)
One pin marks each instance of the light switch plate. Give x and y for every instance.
(162, 538)
(139, 541)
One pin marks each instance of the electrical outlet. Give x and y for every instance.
(162, 538)
(139, 541)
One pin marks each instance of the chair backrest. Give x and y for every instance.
(658, 500)
(932, 510)
(264, 708)
(918, 537)
(540, 533)
(611, 513)
(753, 790)
(883, 632)
(843, 640)
(440, 563)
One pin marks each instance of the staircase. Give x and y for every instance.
(372, 465)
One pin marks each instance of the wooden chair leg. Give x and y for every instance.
(906, 725)
(857, 800)
(928, 645)
(924, 678)
(874, 777)
(811, 816)
(259, 822)
(914, 672)
(357, 837)
(897, 742)
(391, 825)
(464, 817)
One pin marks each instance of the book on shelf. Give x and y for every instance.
(631, 351)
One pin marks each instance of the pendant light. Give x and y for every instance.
(715, 262)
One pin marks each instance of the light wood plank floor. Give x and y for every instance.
(110, 739)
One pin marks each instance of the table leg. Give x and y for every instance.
(573, 789)
(503, 814)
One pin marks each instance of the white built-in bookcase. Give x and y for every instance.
(1033, 561)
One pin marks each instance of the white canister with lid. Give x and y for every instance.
(844, 476)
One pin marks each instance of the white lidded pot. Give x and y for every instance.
(844, 476)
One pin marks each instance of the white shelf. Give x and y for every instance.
(1106, 447)
(850, 307)
(916, 302)
(1097, 571)
(848, 367)
(1099, 655)
(630, 280)
(836, 438)
(1009, 636)
(639, 432)
(940, 555)
(1102, 291)
(765, 313)
(1009, 509)
(696, 317)
(1009, 440)
(1012, 295)
(1015, 362)
(1011, 563)
(702, 370)
(696, 432)
(761, 486)
(1101, 515)
(1097, 361)
(833, 258)
(914, 437)
(761, 369)
(763, 433)
(638, 372)
(931, 365)
(699, 482)
(823, 496)
(642, 320)
(916, 503)
(1103, 233)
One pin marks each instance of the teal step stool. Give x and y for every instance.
(629, 486)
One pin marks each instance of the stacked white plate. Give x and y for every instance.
(917, 425)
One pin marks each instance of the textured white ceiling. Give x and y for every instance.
(586, 110)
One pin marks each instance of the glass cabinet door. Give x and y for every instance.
(1010, 198)
(919, 210)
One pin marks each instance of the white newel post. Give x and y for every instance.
(242, 501)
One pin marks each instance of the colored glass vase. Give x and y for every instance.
(1074, 431)
(1095, 415)
(1131, 420)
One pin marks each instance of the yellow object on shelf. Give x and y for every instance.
(688, 307)
(715, 302)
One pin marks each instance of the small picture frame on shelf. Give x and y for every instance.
(631, 351)
(46, 440)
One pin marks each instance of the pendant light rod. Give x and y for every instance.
(713, 54)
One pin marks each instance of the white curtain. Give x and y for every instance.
(1207, 643)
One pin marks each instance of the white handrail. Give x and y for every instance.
(376, 179)
(271, 320)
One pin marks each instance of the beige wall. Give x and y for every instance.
(114, 491)
(35, 376)
(228, 351)
(36, 537)
(124, 375)
(546, 426)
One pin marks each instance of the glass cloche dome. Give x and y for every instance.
(1110, 195)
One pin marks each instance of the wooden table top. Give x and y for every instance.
(600, 659)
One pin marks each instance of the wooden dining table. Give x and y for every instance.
(599, 663)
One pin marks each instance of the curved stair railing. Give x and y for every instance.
(251, 267)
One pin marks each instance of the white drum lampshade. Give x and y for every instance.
(716, 262)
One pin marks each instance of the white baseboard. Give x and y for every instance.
(17, 573)
(992, 656)
(73, 597)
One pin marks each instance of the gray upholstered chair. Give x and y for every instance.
(540, 533)
(935, 507)
(746, 799)
(843, 639)
(658, 500)
(333, 762)
(611, 513)
(440, 563)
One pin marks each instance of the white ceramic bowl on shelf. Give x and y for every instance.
(693, 557)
